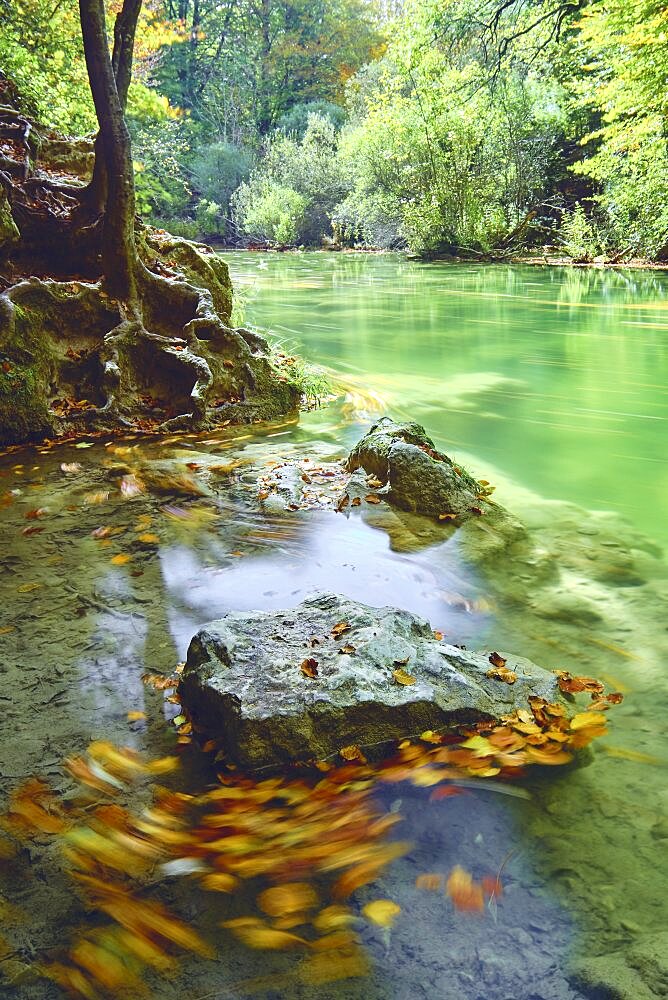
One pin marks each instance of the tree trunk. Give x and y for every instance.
(119, 254)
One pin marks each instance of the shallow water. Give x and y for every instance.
(548, 382)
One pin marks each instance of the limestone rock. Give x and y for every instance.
(243, 681)
(417, 476)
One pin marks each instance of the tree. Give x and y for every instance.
(167, 349)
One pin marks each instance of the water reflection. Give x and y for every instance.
(573, 399)
(536, 372)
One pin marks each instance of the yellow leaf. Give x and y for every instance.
(401, 677)
(293, 897)
(26, 588)
(148, 538)
(586, 719)
(382, 912)
(136, 716)
(120, 560)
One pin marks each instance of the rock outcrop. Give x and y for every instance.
(281, 686)
(417, 477)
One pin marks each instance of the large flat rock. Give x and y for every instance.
(243, 680)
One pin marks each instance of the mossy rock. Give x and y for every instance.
(199, 265)
(9, 233)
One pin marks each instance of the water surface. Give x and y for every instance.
(549, 383)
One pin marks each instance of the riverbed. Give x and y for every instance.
(549, 384)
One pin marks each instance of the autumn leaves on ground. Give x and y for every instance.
(303, 841)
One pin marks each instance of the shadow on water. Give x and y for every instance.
(584, 856)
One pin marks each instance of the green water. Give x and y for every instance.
(557, 376)
(549, 383)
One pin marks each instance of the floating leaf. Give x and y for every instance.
(256, 934)
(586, 719)
(382, 912)
(292, 897)
(466, 894)
(429, 882)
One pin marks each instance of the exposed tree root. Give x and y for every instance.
(71, 356)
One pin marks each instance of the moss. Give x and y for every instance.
(23, 408)
(9, 232)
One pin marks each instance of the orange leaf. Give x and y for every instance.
(463, 891)
(309, 668)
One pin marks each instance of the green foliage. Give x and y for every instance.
(216, 172)
(579, 236)
(313, 382)
(452, 163)
(209, 218)
(295, 121)
(297, 180)
(624, 88)
(269, 211)
(41, 51)
(243, 65)
(159, 149)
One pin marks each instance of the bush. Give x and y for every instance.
(209, 218)
(295, 122)
(269, 211)
(310, 170)
(579, 236)
(218, 170)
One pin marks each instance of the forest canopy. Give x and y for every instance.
(444, 126)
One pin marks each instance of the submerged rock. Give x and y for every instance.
(279, 686)
(417, 476)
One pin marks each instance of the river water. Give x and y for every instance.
(549, 383)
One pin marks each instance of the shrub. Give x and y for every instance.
(269, 211)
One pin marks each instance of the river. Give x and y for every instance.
(550, 383)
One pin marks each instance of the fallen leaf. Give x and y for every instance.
(136, 716)
(438, 635)
(27, 588)
(463, 891)
(372, 498)
(382, 912)
(309, 667)
(401, 677)
(429, 882)
(586, 719)
(256, 934)
(219, 882)
(497, 660)
(348, 649)
(148, 538)
(447, 517)
(352, 752)
(292, 897)
(502, 674)
(491, 886)
(120, 560)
